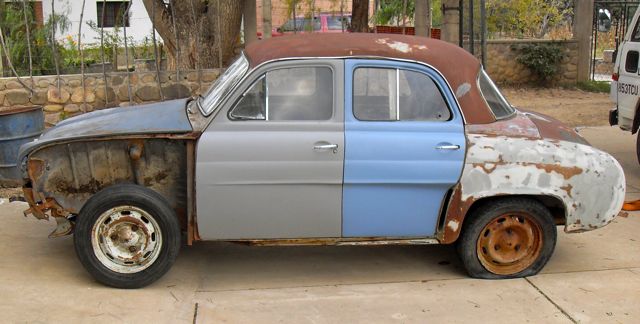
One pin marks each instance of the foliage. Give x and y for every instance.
(390, 12)
(112, 40)
(594, 86)
(541, 59)
(14, 27)
(527, 18)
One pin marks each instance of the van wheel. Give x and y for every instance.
(507, 238)
(127, 236)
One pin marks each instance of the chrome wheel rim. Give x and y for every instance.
(126, 239)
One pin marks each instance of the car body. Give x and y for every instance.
(322, 23)
(337, 139)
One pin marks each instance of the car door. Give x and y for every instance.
(405, 148)
(627, 89)
(270, 165)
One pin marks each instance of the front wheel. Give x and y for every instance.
(127, 236)
(507, 238)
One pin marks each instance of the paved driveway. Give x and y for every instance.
(592, 277)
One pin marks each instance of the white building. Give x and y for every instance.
(138, 25)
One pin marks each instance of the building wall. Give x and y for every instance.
(140, 24)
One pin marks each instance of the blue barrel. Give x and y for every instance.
(17, 126)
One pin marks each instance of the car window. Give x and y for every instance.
(496, 101)
(223, 85)
(301, 24)
(338, 22)
(304, 93)
(382, 94)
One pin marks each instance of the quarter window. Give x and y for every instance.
(288, 94)
(498, 104)
(382, 94)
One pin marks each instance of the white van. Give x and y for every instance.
(625, 84)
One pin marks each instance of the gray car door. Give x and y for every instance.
(270, 165)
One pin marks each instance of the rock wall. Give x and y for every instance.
(70, 101)
(503, 67)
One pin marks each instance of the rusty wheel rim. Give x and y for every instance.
(126, 239)
(509, 243)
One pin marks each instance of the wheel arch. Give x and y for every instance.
(62, 177)
(452, 221)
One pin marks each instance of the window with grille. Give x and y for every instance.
(114, 14)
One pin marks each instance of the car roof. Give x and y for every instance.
(458, 67)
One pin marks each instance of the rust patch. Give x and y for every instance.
(455, 214)
(567, 188)
(566, 172)
(337, 241)
(65, 187)
(149, 181)
(487, 167)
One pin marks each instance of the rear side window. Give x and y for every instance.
(304, 93)
(496, 101)
(382, 94)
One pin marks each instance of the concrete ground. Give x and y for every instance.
(592, 277)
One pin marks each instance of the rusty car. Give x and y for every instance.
(322, 139)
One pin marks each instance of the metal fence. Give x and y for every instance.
(48, 52)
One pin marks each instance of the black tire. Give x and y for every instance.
(143, 199)
(478, 227)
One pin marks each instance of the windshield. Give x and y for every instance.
(224, 84)
(496, 101)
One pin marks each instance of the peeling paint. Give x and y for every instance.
(396, 45)
(590, 182)
(453, 225)
(462, 90)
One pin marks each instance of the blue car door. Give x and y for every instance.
(404, 148)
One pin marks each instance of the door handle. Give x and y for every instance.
(326, 147)
(448, 147)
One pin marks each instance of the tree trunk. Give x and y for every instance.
(250, 23)
(198, 38)
(422, 19)
(360, 16)
(266, 19)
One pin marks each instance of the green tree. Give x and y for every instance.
(527, 18)
(14, 28)
(390, 12)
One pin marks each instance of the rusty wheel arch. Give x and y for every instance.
(458, 211)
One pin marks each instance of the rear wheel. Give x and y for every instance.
(508, 238)
(127, 236)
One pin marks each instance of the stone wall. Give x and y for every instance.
(503, 67)
(69, 100)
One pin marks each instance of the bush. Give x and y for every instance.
(541, 59)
